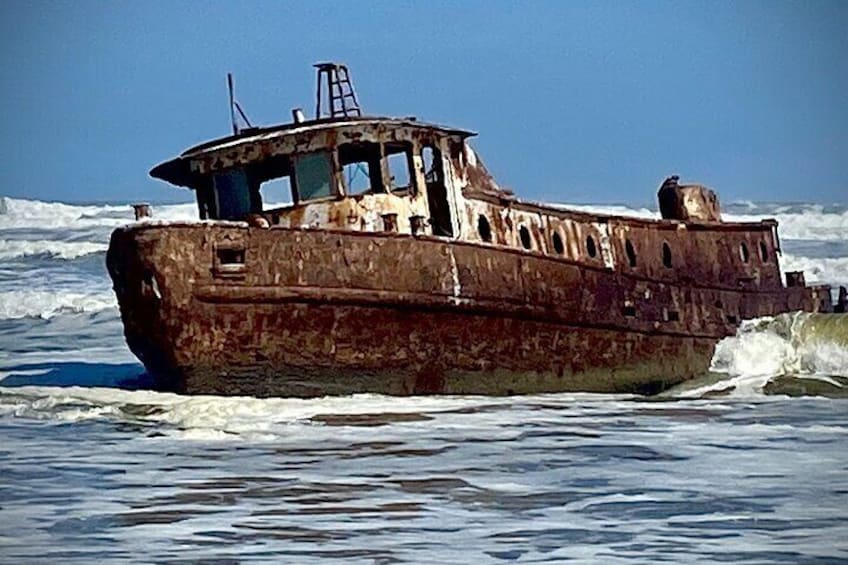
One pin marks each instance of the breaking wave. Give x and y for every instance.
(18, 248)
(819, 270)
(17, 213)
(811, 222)
(45, 304)
(797, 353)
(804, 222)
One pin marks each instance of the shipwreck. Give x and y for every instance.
(402, 267)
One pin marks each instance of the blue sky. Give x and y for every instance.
(574, 101)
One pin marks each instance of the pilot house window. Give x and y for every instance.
(399, 161)
(275, 192)
(314, 176)
(431, 169)
(361, 167)
(232, 194)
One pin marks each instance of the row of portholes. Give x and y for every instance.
(485, 232)
(745, 256)
(556, 241)
(666, 253)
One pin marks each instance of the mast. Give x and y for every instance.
(341, 100)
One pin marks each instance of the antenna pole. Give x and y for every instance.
(318, 97)
(232, 103)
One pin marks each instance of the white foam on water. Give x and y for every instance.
(17, 248)
(788, 344)
(818, 270)
(45, 304)
(216, 418)
(211, 417)
(812, 222)
(612, 209)
(17, 213)
(807, 223)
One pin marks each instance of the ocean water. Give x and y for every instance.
(748, 464)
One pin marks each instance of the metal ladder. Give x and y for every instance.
(341, 97)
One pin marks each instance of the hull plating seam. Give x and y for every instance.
(409, 301)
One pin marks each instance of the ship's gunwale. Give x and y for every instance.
(582, 215)
(517, 251)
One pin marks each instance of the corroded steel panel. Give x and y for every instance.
(402, 314)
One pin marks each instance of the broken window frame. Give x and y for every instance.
(444, 225)
(357, 152)
(436, 166)
(407, 149)
(271, 170)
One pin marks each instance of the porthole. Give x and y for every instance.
(590, 246)
(666, 255)
(524, 235)
(556, 239)
(484, 229)
(743, 252)
(631, 253)
(764, 254)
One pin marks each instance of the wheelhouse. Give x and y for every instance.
(385, 160)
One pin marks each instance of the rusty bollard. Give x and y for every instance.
(142, 211)
(390, 222)
(842, 302)
(416, 225)
(795, 278)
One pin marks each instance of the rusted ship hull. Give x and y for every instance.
(223, 308)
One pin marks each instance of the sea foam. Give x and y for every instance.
(818, 270)
(807, 223)
(797, 344)
(17, 248)
(18, 213)
(45, 304)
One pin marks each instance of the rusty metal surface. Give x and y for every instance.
(231, 309)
